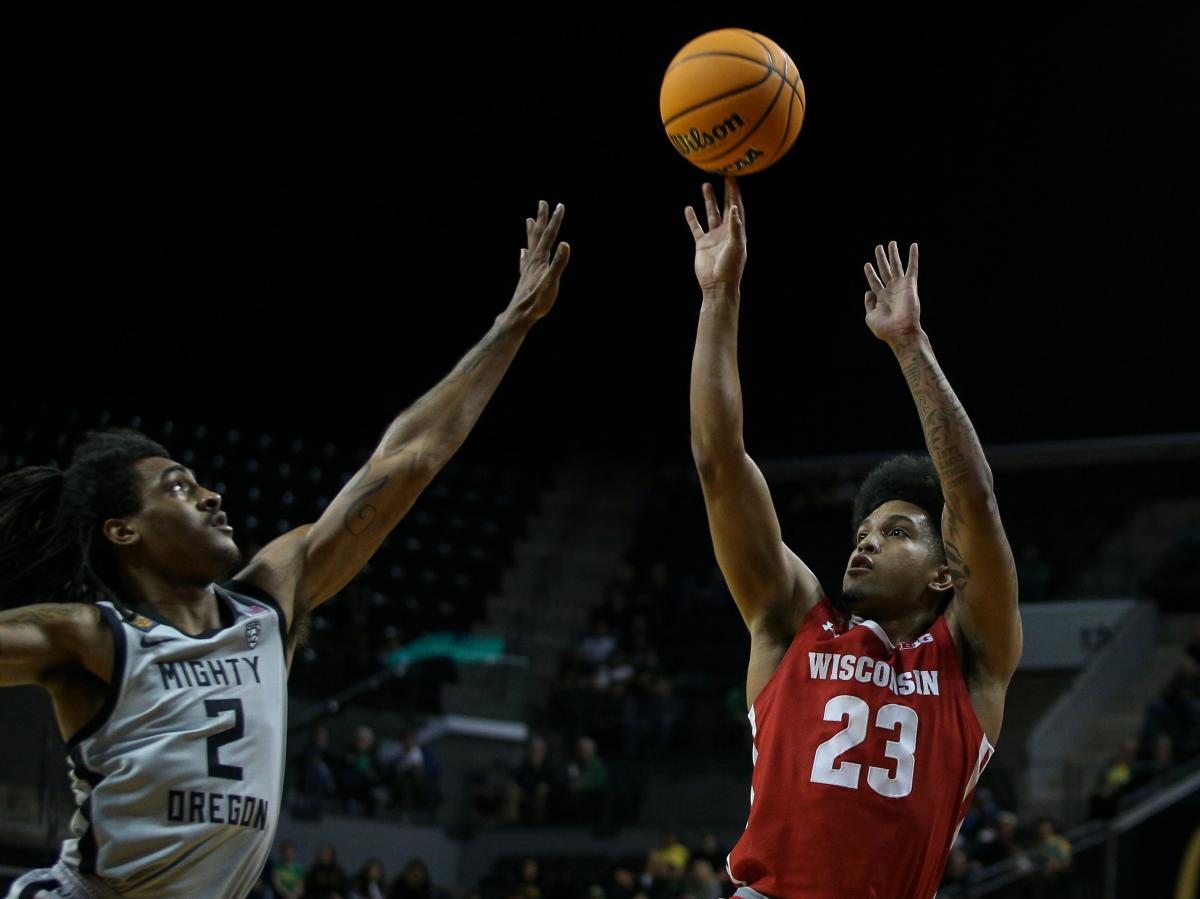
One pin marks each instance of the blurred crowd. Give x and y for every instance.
(1170, 735)
(367, 776)
(285, 877)
(578, 788)
(647, 677)
(990, 835)
(669, 870)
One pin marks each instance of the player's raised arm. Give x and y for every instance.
(981, 563)
(773, 589)
(309, 565)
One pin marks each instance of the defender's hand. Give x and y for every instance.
(893, 309)
(537, 287)
(720, 253)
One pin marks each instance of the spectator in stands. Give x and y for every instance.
(1162, 759)
(317, 782)
(958, 872)
(370, 882)
(1115, 779)
(411, 783)
(325, 879)
(614, 672)
(534, 783)
(981, 815)
(413, 882)
(597, 646)
(999, 843)
(287, 877)
(360, 772)
(623, 884)
(702, 881)
(1051, 856)
(661, 714)
(587, 783)
(529, 884)
(669, 853)
(1176, 713)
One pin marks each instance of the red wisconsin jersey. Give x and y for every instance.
(865, 758)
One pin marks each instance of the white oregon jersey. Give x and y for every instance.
(178, 778)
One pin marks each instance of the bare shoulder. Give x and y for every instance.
(60, 617)
(278, 567)
(37, 641)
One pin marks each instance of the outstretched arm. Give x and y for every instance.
(306, 567)
(773, 589)
(984, 610)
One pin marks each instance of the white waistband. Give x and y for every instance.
(81, 886)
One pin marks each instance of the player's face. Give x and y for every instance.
(895, 561)
(180, 529)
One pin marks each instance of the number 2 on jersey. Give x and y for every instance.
(213, 708)
(828, 770)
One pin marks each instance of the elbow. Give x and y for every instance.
(417, 459)
(711, 457)
(975, 493)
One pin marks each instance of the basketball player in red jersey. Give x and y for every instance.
(872, 715)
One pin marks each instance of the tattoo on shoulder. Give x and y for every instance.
(358, 519)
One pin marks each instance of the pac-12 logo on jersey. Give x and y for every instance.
(253, 629)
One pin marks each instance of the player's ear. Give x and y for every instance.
(120, 531)
(942, 580)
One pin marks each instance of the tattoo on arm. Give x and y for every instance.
(954, 447)
(362, 512)
(960, 571)
(445, 414)
(471, 361)
(947, 428)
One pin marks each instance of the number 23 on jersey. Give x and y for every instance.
(827, 769)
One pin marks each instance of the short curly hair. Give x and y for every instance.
(912, 479)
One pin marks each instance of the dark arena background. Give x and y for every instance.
(258, 242)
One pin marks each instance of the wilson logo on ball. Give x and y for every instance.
(696, 140)
(731, 102)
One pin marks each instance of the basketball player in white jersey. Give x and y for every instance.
(170, 689)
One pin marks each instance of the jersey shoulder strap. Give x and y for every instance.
(247, 594)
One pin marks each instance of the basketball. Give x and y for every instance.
(732, 102)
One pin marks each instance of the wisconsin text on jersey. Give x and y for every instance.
(866, 670)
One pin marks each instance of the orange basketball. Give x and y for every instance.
(732, 102)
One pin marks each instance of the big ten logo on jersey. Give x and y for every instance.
(920, 641)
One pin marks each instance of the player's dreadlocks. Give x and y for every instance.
(51, 548)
